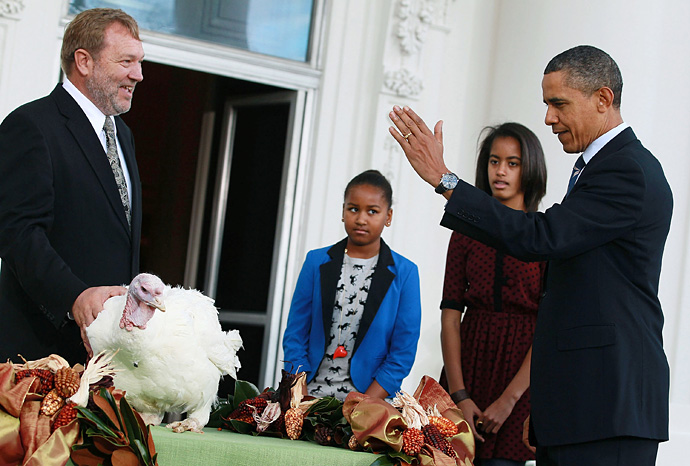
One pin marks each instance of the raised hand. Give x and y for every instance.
(423, 149)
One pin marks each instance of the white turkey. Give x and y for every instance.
(171, 350)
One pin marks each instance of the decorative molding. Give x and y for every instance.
(11, 8)
(403, 82)
(415, 18)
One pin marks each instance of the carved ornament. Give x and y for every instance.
(11, 8)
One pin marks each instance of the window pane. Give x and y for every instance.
(279, 28)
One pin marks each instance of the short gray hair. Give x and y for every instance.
(588, 69)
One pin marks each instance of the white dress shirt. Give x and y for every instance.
(97, 119)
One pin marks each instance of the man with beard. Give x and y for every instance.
(70, 195)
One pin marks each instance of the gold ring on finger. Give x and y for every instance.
(408, 135)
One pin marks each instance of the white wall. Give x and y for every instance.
(30, 38)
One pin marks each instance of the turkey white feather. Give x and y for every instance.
(172, 350)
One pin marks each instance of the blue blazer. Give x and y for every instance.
(598, 365)
(386, 343)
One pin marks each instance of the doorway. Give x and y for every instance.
(213, 154)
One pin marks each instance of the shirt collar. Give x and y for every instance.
(601, 141)
(94, 115)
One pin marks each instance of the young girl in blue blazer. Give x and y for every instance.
(355, 315)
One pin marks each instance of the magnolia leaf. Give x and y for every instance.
(131, 424)
(242, 427)
(97, 422)
(83, 456)
(152, 447)
(109, 398)
(243, 391)
(398, 455)
(384, 461)
(325, 404)
(222, 411)
(143, 452)
(124, 457)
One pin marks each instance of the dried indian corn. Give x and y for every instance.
(44, 375)
(353, 444)
(51, 403)
(66, 381)
(436, 439)
(66, 415)
(294, 419)
(444, 425)
(413, 441)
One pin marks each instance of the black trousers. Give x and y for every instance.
(619, 451)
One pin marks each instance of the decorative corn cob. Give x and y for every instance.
(323, 435)
(294, 419)
(66, 415)
(66, 382)
(444, 425)
(436, 439)
(413, 441)
(248, 418)
(44, 375)
(246, 408)
(354, 445)
(51, 403)
(294, 416)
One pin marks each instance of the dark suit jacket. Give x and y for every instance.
(598, 364)
(386, 342)
(62, 224)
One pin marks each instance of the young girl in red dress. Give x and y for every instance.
(486, 352)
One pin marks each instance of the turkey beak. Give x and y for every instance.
(157, 303)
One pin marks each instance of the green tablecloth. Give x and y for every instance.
(225, 448)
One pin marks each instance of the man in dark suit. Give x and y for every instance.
(599, 379)
(70, 195)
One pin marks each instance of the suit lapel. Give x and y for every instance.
(614, 145)
(91, 148)
(380, 283)
(124, 136)
(330, 274)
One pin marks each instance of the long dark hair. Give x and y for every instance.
(533, 179)
(373, 178)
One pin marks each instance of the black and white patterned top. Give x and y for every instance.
(333, 375)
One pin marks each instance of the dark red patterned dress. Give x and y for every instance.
(500, 296)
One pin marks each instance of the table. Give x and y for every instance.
(225, 448)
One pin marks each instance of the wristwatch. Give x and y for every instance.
(448, 181)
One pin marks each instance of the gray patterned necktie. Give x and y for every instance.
(114, 160)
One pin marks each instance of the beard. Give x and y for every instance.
(105, 93)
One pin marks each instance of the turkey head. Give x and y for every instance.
(143, 298)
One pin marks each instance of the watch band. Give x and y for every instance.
(440, 189)
(449, 178)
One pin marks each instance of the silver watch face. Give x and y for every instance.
(449, 181)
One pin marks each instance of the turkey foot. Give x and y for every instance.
(189, 424)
